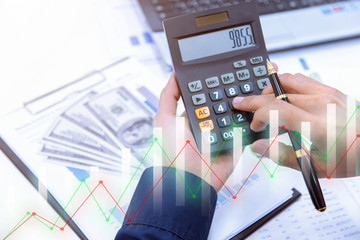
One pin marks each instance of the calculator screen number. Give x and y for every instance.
(217, 42)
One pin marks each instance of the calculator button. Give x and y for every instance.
(245, 129)
(239, 117)
(212, 138)
(263, 83)
(206, 125)
(227, 134)
(239, 64)
(250, 115)
(247, 87)
(260, 71)
(202, 112)
(224, 121)
(216, 95)
(243, 74)
(228, 78)
(232, 91)
(199, 99)
(256, 60)
(212, 82)
(231, 105)
(220, 108)
(195, 86)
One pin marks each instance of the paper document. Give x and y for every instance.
(259, 195)
(99, 128)
(301, 221)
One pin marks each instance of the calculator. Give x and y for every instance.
(217, 55)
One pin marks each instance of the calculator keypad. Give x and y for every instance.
(227, 78)
(263, 83)
(220, 108)
(216, 95)
(260, 71)
(212, 82)
(199, 99)
(247, 87)
(195, 86)
(232, 91)
(245, 77)
(224, 121)
(202, 113)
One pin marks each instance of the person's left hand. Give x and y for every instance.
(166, 119)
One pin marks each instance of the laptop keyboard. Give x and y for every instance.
(170, 8)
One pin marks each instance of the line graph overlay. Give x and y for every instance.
(42, 220)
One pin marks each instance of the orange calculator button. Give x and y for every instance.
(202, 112)
(206, 125)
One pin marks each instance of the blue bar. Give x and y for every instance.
(236, 187)
(304, 64)
(80, 174)
(134, 41)
(151, 106)
(221, 198)
(247, 182)
(148, 38)
(254, 176)
(227, 193)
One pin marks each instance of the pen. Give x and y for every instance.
(304, 161)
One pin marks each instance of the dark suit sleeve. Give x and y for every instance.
(165, 217)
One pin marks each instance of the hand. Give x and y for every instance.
(166, 119)
(309, 100)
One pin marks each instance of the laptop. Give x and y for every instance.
(286, 24)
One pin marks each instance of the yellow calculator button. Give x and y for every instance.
(202, 112)
(206, 125)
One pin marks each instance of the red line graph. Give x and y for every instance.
(101, 183)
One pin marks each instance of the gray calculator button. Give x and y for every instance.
(195, 86)
(245, 129)
(263, 83)
(216, 95)
(227, 134)
(232, 91)
(260, 71)
(243, 74)
(247, 87)
(228, 78)
(212, 138)
(239, 117)
(231, 105)
(212, 82)
(256, 60)
(239, 64)
(199, 99)
(224, 121)
(220, 108)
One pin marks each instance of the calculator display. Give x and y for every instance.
(217, 42)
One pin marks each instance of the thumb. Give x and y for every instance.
(286, 156)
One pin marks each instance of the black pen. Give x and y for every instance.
(304, 161)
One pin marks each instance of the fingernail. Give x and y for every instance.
(238, 100)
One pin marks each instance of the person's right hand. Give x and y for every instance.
(309, 100)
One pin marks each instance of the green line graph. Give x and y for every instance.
(155, 142)
(324, 156)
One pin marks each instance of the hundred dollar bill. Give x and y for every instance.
(68, 133)
(125, 118)
(80, 115)
(59, 152)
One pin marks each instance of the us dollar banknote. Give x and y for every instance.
(125, 119)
